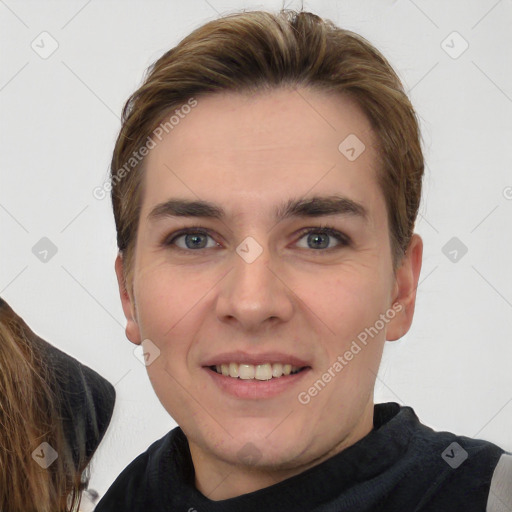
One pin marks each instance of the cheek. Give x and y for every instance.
(348, 300)
(164, 296)
(172, 305)
(349, 307)
(167, 317)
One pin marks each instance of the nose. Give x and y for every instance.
(254, 294)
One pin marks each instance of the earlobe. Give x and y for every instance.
(404, 292)
(132, 328)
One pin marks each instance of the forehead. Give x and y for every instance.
(262, 147)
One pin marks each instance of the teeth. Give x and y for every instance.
(246, 371)
(265, 371)
(233, 370)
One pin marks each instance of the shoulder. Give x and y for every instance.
(133, 488)
(459, 472)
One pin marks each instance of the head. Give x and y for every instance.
(29, 415)
(258, 133)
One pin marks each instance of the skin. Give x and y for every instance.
(248, 154)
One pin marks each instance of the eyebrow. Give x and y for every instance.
(317, 206)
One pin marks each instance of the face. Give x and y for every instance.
(287, 268)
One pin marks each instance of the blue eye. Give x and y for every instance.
(194, 239)
(319, 238)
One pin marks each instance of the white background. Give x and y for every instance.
(59, 121)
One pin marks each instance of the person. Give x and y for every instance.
(265, 185)
(54, 411)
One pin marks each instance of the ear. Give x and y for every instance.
(404, 292)
(132, 328)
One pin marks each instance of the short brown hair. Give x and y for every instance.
(256, 51)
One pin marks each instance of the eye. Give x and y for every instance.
(319, 238)
(193, 238)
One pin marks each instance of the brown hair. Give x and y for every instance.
(29, 416)
(257, 51)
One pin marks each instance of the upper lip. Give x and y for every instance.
(246, 358)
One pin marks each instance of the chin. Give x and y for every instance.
(263, 448)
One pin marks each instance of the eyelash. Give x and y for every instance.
(344, 240)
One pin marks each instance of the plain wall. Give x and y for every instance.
(59, 120)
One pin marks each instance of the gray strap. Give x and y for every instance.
(500, 493)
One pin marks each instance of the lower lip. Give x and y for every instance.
(254, 389)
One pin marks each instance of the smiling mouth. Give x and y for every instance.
(266, 371)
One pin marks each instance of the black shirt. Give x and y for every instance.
(401, 465)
